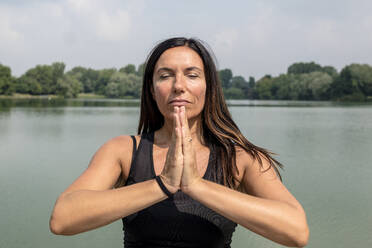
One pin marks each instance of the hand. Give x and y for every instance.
(172, 172)
(190, 173)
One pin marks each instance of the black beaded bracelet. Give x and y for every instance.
(162, 186)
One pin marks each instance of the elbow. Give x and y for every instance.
(57, 222)
(58, 228)
(298, 239)
(55, 227)
(302, 238)
(302, 233)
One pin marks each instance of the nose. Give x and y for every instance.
(179, 84)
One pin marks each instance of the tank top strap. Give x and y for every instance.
(134, 146)
(140, 169)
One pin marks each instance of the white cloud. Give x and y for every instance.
(114, 27)
(74, 30)
(250, 37)
(225, 39)
(8, 35)
(367, 25)
(103, 19)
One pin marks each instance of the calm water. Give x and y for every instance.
(326, 149)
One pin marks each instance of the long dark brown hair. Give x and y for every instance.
(219, 131)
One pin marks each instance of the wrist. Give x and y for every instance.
(172, 189)
(192, 187)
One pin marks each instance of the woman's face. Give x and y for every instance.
(179, 80)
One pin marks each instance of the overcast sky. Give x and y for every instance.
(253, 38)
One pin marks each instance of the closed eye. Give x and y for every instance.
(193, 76)
(164, 76)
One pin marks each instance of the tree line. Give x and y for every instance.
(303, 81)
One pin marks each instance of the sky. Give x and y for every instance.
(252, 38)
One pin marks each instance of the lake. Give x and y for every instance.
(326, 149)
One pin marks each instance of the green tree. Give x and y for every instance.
(251, 82)
(112, 90)
(362, 75)
(88, 77)
(330, 70)
(68, 87)
(6, 81)
(297, 90)
(263, 88)
(352, 84)
(132, 86)
(299, 68)
(58, 69)
(104, 77)
(124, 85)
(28, 85)
(283, 86)
(225, 76)
(128, 69)
(318, 83)
(141, 70)
(41, 76)
(234, 93)
(239, 82)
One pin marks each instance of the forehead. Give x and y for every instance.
(179, 57)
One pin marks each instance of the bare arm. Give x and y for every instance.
(269, 209)
(90, 201)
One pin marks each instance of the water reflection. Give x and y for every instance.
(45, 144)
(38, 103)
(5, 104)
(284, 103)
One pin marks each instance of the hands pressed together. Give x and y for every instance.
(180, 169)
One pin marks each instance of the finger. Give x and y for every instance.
(174, 132)
(177, 133)
(175, 149)
(183, 117)
(186, 135)
(184, 123)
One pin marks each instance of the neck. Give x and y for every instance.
(164, 134)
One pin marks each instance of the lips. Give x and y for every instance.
(178, 102)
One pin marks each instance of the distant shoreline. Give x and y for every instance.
(95, 96)
(28, 96)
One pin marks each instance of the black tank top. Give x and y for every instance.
(179, 221)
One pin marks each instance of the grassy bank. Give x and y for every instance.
(28, 96)
(90, 96)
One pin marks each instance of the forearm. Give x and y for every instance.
(84, 210)
(275, 220)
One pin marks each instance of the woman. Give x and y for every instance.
(190, 176)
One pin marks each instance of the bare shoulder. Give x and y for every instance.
(121, 147)
(252, 168)
(261, 179)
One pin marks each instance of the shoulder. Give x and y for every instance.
(254, 164)
(118, 144)
(121, 147)
(255, 170)
(122, 144)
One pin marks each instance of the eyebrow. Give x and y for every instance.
(187, 69)
(193, 68)
(164, 69)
